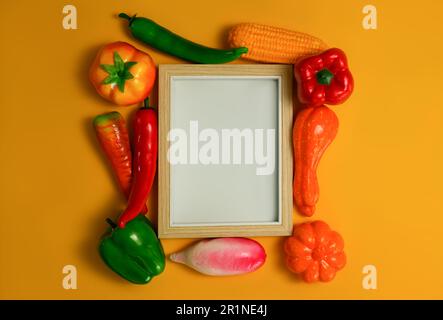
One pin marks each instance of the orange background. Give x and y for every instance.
(380, 179)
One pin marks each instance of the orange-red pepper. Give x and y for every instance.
(113, 137)
(313, 131)
(315, 252)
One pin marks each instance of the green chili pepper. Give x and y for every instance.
(133, 252)
(164, 40)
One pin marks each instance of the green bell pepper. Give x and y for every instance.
(134, 252)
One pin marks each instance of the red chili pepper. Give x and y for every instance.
(324, 78)
(144, 162)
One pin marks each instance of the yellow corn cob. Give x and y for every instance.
(272, 44)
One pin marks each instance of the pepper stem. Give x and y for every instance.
(146, 103)
(125, 16)
(324, 77)
(111, 223)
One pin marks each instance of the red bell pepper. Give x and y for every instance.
(144, 162)
(324, 78)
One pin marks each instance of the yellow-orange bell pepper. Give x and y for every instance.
(122, 74)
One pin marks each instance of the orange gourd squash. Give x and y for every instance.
(314, 129)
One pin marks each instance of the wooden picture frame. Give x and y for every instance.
(183, 90)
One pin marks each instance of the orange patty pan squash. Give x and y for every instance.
(315, 252)
(122, 74)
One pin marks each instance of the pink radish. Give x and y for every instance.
(222, 256)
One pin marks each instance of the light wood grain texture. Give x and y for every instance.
(285, 163)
